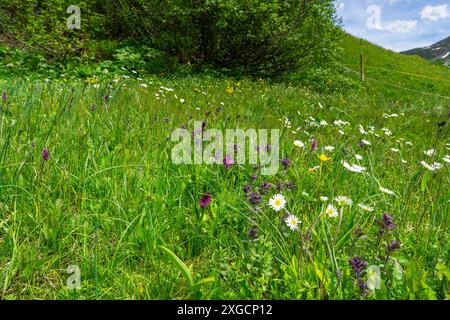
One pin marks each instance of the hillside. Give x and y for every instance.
(395, 73)
(440, 51)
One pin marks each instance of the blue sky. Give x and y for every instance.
(396, 24)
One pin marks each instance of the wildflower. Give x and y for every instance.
(343, 201)
(277, 202)
(323, 198)
(359, 157)
(366, 142)
(408, 143)
(228, 162)
(394, 245)
(182, 100)
(265, 187)
(357, 265)
(353, 167)
(313, 144)
(292, 222)
(204, 200)
(328, 148)
(446, 158)
(341, 132)
(386, 223)
(324, 158)
(254, 176)
(253, 233)
(364, 207)
(433, 167)
(247, 188)
(299, 144)
(45, 154)
(430, 152)
(331, 211)
(4, 96)
(387, 191)
(286, 163)
(254, 198)
(395, 150)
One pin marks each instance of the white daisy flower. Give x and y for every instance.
(446, 158)
(366, 142)
(331, 211)
(328, 148)
(387, 191)
(353, 167)
(299, 144)
(359, 157)
(430, 152)
(323, 123)
(343, 201)
(432, 167)
(292, 222)
(364, 207)
(277, 202)
(323, 198)
(182, 100)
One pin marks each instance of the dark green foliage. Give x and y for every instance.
(264, 38)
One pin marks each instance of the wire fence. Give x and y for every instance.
(396, 85)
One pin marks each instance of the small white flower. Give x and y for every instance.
(292, 222)
(277, 202)
(430, 152)
(387, 191)
(323, 123)
(366, 142)
(299, 144)
(395, 150)
(432, 167)
(341, 132)
(361, 129)
(364, 207)
(404, 161)
(343, 201)
(408, 143)
(359, 157)
(446, 158)
(182, 100)
(323, 198)
(353, 167)
(331, 211)
(328, 148)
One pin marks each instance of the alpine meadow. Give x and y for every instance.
(99, 98)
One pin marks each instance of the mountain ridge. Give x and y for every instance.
(439, 51)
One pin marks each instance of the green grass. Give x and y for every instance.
(110, 200)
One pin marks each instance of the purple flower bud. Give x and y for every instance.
(254, 176)
(313, 144)
(386, 223)
(205, 199)
(286, 163)
(228, 162)
(247, 188)
(265, 187)
(253, 233)
(254, 198)
(4, 96)
(394, 245)
(357, 264)
(45, 154)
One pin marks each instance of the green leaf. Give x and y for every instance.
(425, 179)
(181, 265)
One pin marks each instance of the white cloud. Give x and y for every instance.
(340, 6)
(401, 26)
(435, 13)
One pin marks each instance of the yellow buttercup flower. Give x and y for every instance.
(324, 158)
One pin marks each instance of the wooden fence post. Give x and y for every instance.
(361, 66)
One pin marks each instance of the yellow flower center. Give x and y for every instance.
(277, 202)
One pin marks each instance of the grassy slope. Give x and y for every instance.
(109, 196)
(401, 70)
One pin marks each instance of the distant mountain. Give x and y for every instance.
(439, 51)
